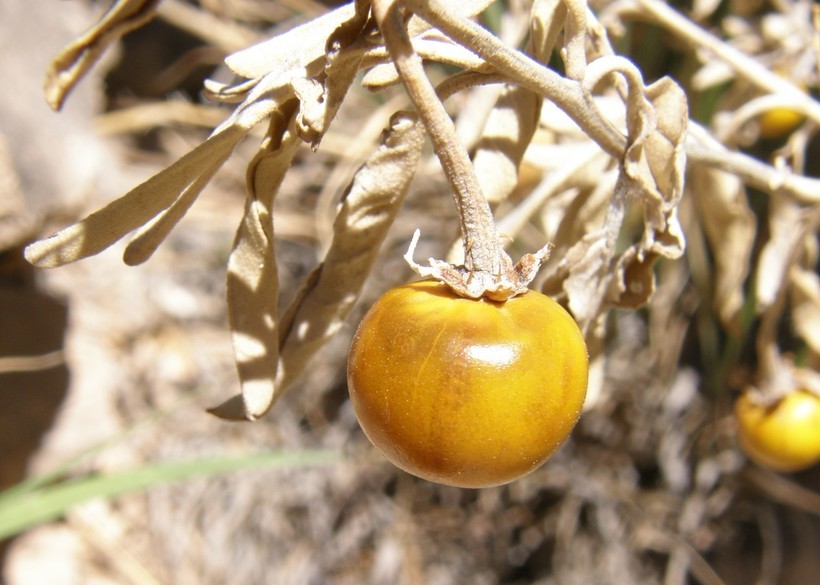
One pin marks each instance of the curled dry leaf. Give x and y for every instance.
(142, 204)
(805, 302)
(507, 133)
(730, 227)
(367, 211)
(69, 67)
(252, 286)
(656, 161)
(293, 50)
(652, 174)
(786, 230)
(170, 193)
(547, 19)
(319, 309)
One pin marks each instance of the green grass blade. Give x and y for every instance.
(22, 510)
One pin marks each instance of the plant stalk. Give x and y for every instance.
(483, 251)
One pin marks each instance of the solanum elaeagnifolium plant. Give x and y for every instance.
(615, 144)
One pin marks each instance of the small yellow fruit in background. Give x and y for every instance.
(784, 436)
(779, 122)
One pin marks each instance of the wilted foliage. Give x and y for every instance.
(670, 195)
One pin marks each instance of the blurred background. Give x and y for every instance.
(118, 364)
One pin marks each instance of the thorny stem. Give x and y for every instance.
(482, 246)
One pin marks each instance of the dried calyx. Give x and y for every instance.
(498, 285)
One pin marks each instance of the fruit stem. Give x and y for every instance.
(483, 251)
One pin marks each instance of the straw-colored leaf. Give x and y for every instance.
(785, 219)
(634, 284)
(805, 300)
(367, 212)
(294, 49)
(148, 238)
(102, 228)
(729, 225)
(507, 133)
(656, 160)
(546, 24)
(74, 61)
(252, 287)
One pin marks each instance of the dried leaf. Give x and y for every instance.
(148, 238)
(318, 108)
(729, 225)
(656, 161)
(566, 218)
(137, 207)
(546, 24)
(588, 263)
(634, 284)
(329, 292)
(785, 219)
(73, 62)
(252, 286)
(292, 50)
(507, 133)
(367, 212)
(805, 300)
(585, 272)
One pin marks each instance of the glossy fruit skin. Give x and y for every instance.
(784, 436)
(469, 393)
(779, 122)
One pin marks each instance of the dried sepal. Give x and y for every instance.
(74, 61)
(252, 284)
(473, 284)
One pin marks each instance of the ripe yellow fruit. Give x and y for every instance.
(779, 122)
(464, 392)
(784, 436)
